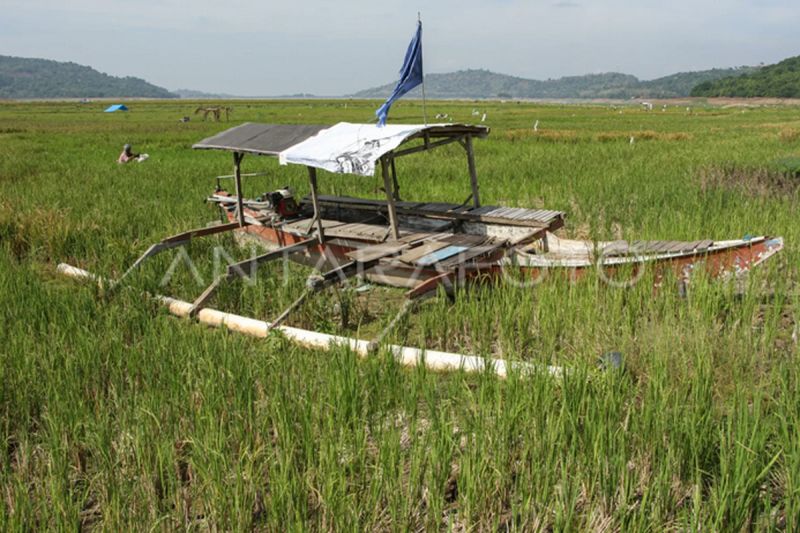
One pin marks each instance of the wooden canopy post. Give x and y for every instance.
(312, 179)
(237, 175)
(396, 185)
(387, 186)
(473, 173)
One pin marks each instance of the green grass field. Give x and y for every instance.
(117, 416)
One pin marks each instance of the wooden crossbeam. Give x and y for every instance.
(245, 268)
(174, 241)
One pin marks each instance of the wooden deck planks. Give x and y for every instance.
(656, 247)
(463, 239)
(438, 207)
(358, 230)
(377, 251)
(492, 214)
(302, 224)
(472, 253)
(421, 251)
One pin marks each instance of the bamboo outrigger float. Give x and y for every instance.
(405, 355)
(417, 245)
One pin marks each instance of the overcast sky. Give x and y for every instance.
(271, 47)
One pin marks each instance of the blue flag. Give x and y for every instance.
(410, 75)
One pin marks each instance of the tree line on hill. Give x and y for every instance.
(42, 78)
(781, 80)
(487, 84)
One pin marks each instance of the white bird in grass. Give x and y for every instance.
(536, 126)
(483, 118)
(632, 139)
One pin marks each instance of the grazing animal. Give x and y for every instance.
(215, 112)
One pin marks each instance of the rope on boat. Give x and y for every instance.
(407, 356)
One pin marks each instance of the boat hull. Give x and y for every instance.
(725, 259)
(722, 259)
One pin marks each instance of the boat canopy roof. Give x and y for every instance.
(261, 139)
(343, 148)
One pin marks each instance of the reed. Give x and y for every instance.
(116, 415)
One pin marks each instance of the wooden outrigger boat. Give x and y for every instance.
(419, 245)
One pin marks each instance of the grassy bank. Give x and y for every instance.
(117, 416)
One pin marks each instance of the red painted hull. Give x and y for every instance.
(729, 259)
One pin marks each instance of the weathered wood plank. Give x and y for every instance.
(675, 246)
(377, 251)
(472, 253)
(302, 224)
(448, 211)
(421, 251)
(359, 231)
(483, 210)
(438, 207)
(440, 255)
(461, 238)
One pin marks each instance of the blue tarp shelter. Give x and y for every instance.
(116, 107)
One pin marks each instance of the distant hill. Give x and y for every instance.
(781, 80)
(487, 84)
(42, 78)
(682, 83)
(192, 94)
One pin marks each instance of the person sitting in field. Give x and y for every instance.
(127, 155)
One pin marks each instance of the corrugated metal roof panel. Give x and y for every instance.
(262, 139)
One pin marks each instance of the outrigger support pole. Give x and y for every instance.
(316, 284)
(408, 305)
(172, 242)
(247, 268)
(387, 186)
(237, 175)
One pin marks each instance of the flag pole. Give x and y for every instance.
(424, 109)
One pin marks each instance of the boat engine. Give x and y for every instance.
(282, 202)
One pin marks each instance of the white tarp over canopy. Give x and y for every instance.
(350, 148)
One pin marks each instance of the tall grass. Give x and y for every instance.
(118, 416)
